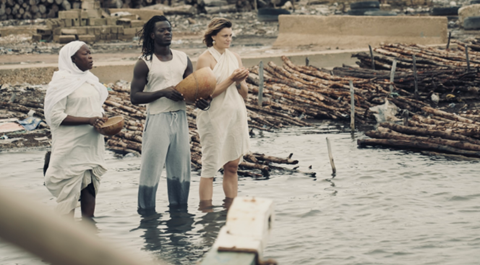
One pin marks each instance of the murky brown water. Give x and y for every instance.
(383, 206)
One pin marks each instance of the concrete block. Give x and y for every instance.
(71, 14)
(76, 22)
(143, 14)
(130, 31)
(124, 22)
(468, 11)
(84, 22)
(67, 38)
(347, 32)
(71, 31)
(137, 23)
(57, 31)
(83, 14)
(111, 21)
(68, 22)
(87, 38)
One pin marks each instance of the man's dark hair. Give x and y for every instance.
(145, 35)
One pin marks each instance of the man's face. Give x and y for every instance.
(162, 34)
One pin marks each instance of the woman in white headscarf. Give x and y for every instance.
(223, 128)
(73, 110)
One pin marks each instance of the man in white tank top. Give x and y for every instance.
(166, 135)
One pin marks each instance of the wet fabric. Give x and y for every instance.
(77, 157)
(223, 128)
(165, 143)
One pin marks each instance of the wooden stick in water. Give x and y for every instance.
(352, 105)
(260, 85)
(334, 170)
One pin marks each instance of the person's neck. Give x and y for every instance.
(221, 51)
(162, 50)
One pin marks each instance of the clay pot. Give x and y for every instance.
(200, 84)
(112, 126)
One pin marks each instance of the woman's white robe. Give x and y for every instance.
(77, 157)
(223, 128)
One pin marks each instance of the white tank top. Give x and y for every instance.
(162, 75)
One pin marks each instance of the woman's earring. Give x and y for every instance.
(213, 42)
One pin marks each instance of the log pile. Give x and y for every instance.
(448, 74)
(17, 102)
(33, 9)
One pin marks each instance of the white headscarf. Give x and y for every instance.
(68, 78)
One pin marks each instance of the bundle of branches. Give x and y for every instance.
(442, 73)
(18, 103)
(440, 132)
(426, 57)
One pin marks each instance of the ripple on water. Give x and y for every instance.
(382, 207)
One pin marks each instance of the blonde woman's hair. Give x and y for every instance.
(215, 26)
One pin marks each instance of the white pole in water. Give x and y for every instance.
(54, 238)
(334, 170)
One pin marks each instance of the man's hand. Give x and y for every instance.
(172, 94)
(203, 104)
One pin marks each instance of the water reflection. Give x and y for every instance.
(167, 233)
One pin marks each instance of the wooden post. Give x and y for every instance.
(255, 4)
(449, 36)
(352, 104)
(392, 74)
(415, 75)
(371, 56)
(260, 84)
(468, 60)
(307, 61)
(330, 156)
(243, 238)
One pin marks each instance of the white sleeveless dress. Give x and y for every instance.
(223, 128)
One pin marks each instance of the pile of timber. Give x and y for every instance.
(439, 132)
(427, 58)
(18, 102)
(450, 74)
(33, 9)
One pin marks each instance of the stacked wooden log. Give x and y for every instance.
(447, 74)
(33, 9)
(18, 102)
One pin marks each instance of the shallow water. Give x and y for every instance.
(382, 207)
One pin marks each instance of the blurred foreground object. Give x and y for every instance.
(244, 237)
(56, 239)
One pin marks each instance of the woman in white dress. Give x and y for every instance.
(223, 128)
(73, 110)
